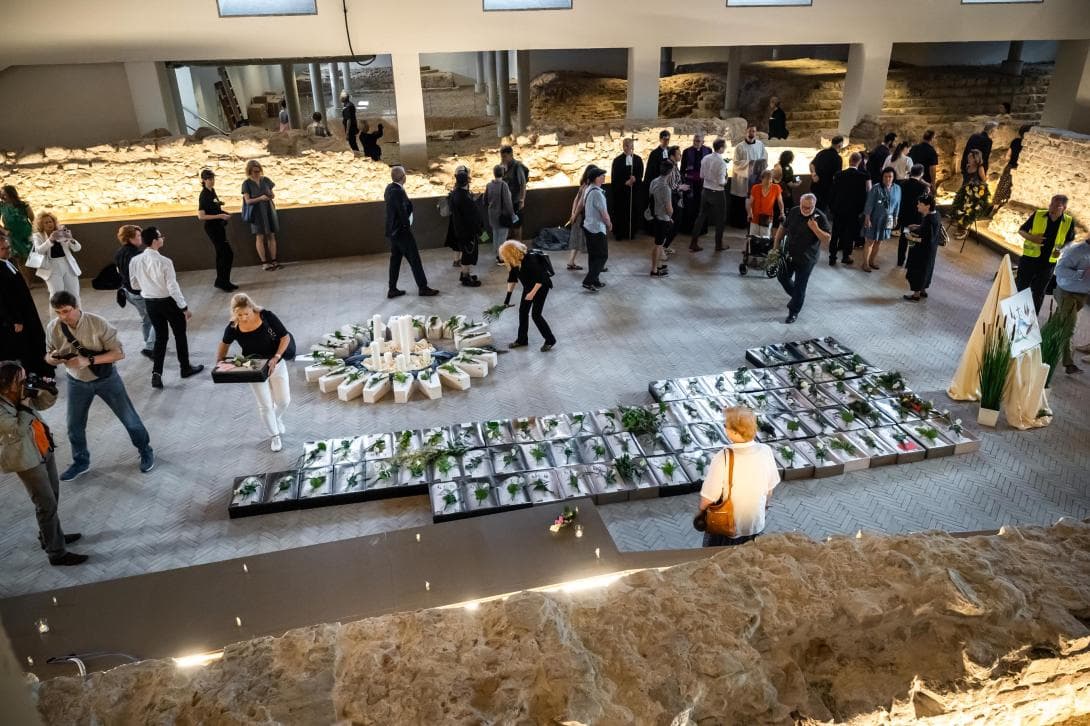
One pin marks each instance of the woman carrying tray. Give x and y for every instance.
(261, 336)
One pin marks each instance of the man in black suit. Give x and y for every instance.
(981, 141)
(22, 337)
(399, 221)
(847, 198)
(823, 168)
(876, 160)
(912, 189)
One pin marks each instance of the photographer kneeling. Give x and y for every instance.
(26, 449)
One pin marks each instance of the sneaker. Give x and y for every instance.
(74, 471)
(832, 262)
(147, 460)
(68, 559)
(791, 318)
(600, 285)
(590, 288)
(428, 292)
(395, 293)
(193, 370)
(276, 444)
(695, 248)
(659, 273)
(280, 426)
(149, 354)
(156, 380)
(547, 347)
(847, 261)
(470, 282)
(575, 267)
(516, 344)
(1072, 369)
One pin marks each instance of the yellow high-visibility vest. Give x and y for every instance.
(1040, 222)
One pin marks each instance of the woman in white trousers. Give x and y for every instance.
(261, 335)
(53, 244)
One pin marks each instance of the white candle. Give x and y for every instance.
(376, 327)
(387, 360)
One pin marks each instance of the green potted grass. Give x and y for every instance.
(995, 363)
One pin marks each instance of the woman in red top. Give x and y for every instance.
(764, 206)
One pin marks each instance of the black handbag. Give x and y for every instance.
(122, 301)
(100, 370)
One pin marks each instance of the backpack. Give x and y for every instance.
(553, 238)
(544, 260)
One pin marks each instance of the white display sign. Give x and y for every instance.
(1022, 326)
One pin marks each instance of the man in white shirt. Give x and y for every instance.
(750, 159)
(152, 275)
(713, 197)
(748, 487)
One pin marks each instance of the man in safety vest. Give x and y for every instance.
(1045, 233)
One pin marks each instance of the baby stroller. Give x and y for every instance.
(760, 253)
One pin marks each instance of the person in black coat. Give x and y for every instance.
(464, 226)
(925, 237)
(847, 198)
(369, 141)
(348, 120)
(823, 168)
(399, 212)
(626, 192)
(981, 141)
(22, 337)
(533, 271)
(912, 189)
(876, 160)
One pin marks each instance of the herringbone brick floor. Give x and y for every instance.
(699, 320)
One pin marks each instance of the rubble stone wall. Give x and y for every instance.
(1054, 161)
(875, 630)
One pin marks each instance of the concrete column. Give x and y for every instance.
(666, 62)
(503, 93)
(346, 78)
(316, 95)
(733, 81)
(291, 95)
(490, 81)
(175, 115)
(643, 83)
(188, 98)
(1013, 65)
(409, 98)
(1068, 102)
(479, 83)
(865, 82)
(335, 86)
(148, 88)
(522, 73)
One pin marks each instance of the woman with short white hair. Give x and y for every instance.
(57, 265)
(745, 473)
(260, 334)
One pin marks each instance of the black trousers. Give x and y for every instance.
(164, 314)
(597, 254)
(719, 540)
(532, 309)
(1034, 273)
(664, 232)
(845, 231)
(406, 248)
(713, 210)
(352, 134)
(225, 256)
(794, 277)
(902, 247)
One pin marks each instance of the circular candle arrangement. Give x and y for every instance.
(407, 353)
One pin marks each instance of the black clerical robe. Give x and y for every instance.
(626, 201)
(17, 308)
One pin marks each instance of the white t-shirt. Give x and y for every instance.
(901, 167)
(755, 476)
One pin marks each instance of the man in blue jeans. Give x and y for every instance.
(87, 346)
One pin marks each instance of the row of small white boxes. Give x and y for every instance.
(326, 365)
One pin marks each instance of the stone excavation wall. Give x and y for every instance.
(876, 630)
(160, 174)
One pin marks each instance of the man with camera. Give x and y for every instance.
(26, 449)
(87, 346)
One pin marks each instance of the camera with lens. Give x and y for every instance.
(35, 384)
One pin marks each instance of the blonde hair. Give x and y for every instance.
(253, 164)
(126, 232)
(741, 420)
(242, 301)
(512, 253)
(39, 221)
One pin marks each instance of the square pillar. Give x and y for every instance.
(409, 98)
(733, 82)
(1068, 103)
(643, 82)
(865, 82)
(149, 87)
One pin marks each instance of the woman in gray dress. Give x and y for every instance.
(258, 209)
(577, 242)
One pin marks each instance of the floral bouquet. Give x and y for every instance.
(563, 519)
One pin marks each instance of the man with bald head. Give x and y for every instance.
(399, 221)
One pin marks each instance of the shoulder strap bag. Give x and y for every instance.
(719, 517)
(100, 370)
